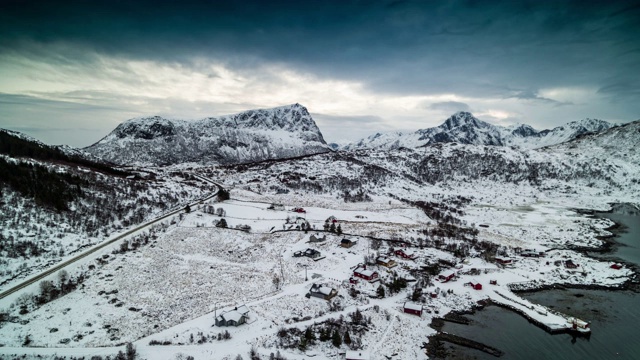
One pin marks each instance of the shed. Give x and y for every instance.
(570, 264)
(448, 276)
(314, 238)
(412, 308)
(278, 207)
(312, 253)
(347, 243)
(474, 285)
(503, 261)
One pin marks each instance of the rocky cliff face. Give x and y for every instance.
(249, 136)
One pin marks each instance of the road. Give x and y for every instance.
(106, 243)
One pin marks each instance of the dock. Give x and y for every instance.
(545, 318)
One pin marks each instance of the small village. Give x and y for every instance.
(302, 281)
(401, 275)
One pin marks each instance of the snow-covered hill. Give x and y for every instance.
(464, 128)
(253, 135)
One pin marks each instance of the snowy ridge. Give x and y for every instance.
(252, 135)
(464, 128)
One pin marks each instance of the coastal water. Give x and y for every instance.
(614, 315)
(627, 234)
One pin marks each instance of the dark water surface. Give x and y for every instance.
(614, 315)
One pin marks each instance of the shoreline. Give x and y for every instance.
(609, 244)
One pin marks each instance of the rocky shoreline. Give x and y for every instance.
(609, 244)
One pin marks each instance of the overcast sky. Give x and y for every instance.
(70, 72)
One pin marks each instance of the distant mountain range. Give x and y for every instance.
(289, 131)
(464, 128)
(249, 136)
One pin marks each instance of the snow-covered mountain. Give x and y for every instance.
(526, 137)
(253, 135)
(464, 128)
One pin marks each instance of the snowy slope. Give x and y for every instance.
(172, 288)
(464, 128)
(252, 135)
(524, 136)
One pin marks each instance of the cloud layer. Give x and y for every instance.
(407, 64)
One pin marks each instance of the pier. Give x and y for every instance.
(543, 317)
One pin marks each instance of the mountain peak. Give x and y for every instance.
(251, 135)
(462, 118)
(145, 128)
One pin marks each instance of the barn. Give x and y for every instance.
(412, 308)
(363, 273)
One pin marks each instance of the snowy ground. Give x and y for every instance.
(172, 288)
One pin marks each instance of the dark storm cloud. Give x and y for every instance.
(466, 47)
(530, 58)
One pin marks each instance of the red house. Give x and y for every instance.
(407, 254)
(616, 266)
(299, 210)
(363, 273)
(447, 276)
(411, 308)
(475, 286)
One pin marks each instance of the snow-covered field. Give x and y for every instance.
(171, 289)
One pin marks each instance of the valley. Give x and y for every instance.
(320, 254)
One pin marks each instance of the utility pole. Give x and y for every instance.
(281, 269)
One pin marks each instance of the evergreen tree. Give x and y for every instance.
(223, 195)
(324, 335)
(380, 291)
(339, 230)
(310, 335)
(417, 293)
(336, 340)
(302, 345)
(187, 209)
(131, 351)
(332, 228)
(347, 338)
